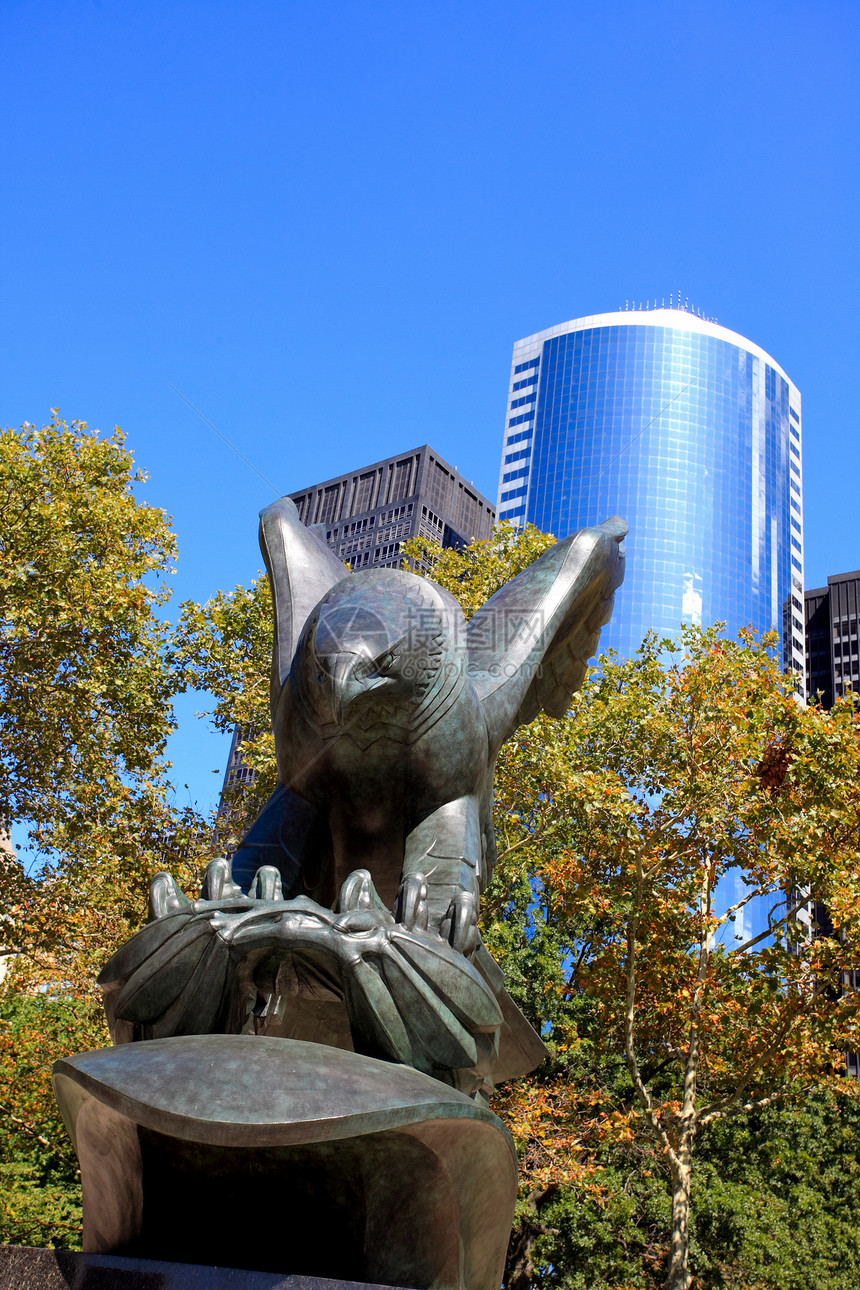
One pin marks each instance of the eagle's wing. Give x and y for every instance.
(301, 569)
(530, 643)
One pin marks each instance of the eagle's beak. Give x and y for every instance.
(346, 682)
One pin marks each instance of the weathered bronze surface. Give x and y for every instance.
(324, 1024)
(273, 1153)
(349, 915)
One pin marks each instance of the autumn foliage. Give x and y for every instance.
(85, 708)
(667, 852)
(666, 855)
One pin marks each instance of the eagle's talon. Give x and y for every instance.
(218, 881)
(165, 896)
(411, 908)
(359, 893)
(460, 924)
(267, 884)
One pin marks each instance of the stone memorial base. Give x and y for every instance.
(263, 1153)
(27, 1269)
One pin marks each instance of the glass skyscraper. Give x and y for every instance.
(693, 435)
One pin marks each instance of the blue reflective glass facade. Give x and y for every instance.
(692, 435)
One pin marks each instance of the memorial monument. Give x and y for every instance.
(304, 1055)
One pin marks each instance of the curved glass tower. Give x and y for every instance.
(692, 434)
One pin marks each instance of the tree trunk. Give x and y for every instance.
(8, 854)
(678, 1275)
(521, 1265)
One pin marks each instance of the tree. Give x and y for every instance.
(84, 687)
(684, 770)
(776, 1205)
(705, 788)
(779, 1199)
(85, 708)
(224, 648)
(685, 773)
(85, 684)
(688, 790)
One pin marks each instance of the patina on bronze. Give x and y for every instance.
(348, 917)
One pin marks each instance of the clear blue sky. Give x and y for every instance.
(326, 224)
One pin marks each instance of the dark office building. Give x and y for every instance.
(369, 513)
(832, 662)
(832, 669)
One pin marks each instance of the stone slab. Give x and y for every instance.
(22, 1268)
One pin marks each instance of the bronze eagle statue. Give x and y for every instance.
(349, 914)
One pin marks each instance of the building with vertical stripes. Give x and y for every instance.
(369, 513)
(832, 657)
(691, 433)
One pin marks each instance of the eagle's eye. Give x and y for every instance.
(385, 664)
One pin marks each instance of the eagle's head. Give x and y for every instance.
(384, 652)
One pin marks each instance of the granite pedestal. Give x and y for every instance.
(22, 1268)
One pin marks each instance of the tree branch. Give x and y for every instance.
(629, 1021)
(710, 1112)
(743, 1108)
(25, 1128)
(772, 927)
